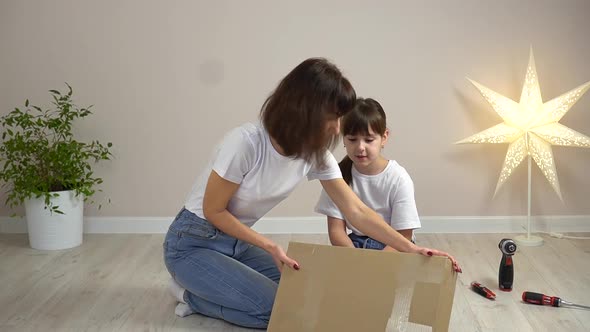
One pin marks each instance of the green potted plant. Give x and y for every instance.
(49, 171)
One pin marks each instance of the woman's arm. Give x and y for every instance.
(370, 223)
(337, 233)
(217, 195)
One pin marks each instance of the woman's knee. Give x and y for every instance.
(263, 318)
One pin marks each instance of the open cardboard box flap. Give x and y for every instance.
(346, 289)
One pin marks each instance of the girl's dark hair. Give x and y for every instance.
(367, 113)
(295, 114)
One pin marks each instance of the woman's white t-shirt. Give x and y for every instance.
(390, 193)
(246, 157)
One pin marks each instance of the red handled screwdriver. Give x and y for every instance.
(483, 291)
(542, 299)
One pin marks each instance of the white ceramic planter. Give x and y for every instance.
(52, 231)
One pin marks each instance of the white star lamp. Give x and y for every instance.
(530, 127)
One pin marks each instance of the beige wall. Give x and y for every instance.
(168, 78)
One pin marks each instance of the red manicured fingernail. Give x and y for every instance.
(430, 253)
(296, 267)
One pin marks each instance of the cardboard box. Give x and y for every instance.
(347, 289)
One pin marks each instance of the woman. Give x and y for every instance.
(221, 267)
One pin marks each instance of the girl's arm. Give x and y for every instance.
(363, 218)
(370, 223)
(217, 195)
(337, 232)
(407, 233)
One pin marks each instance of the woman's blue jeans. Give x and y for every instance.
(224, 277)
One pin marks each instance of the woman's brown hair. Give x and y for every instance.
(367, 113)
(295, 114)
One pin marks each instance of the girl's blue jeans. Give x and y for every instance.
(366, 242)
(224, 277)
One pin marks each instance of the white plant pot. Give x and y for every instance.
(53, 231)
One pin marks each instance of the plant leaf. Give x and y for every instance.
(39, 152)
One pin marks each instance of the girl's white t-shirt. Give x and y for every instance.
(390, 193)
(246, 157)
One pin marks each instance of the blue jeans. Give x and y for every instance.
(366, 242)
(224, 277)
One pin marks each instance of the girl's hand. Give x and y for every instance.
(434, 252)
(280, 257)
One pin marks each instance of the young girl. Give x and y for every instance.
(382, 184)
(221, 267)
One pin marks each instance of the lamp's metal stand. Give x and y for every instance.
(529, 240)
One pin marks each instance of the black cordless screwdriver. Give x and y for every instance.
(506, 272)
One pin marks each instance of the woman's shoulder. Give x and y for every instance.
(250, 131)
(248, 128)
(242, 139)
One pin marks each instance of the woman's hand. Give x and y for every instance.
(280, 257)
(434, 252)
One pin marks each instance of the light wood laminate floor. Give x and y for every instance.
(118, 283)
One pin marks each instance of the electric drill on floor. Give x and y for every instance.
(506, 273)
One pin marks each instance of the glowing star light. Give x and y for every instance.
(531, 126)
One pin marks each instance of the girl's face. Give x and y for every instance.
(364, 150)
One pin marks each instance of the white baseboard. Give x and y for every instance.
(317, 225)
